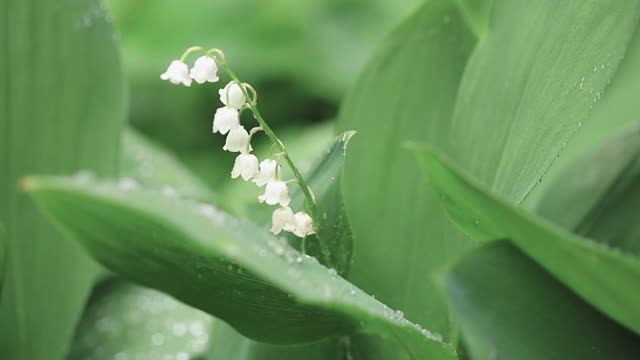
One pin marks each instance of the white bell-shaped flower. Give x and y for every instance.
(237, 140)
(267, 172)
(177, 73)
(282, 219)
(232, 95)
(276, 192)
(246, 165)
(204, 69)
(225, 119)
(303, 224)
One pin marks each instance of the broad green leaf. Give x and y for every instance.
(227, 344)
(227, 267)
(154, 166)
(401, 235)
(597, 196)
(527, 91)
(125, 321)
(61, 100)
(617, 108)
(477, 14)
(325, 180)
(603, 276)
(508, 307)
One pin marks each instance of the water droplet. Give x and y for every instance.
(120, 356)
(476, 222)
(595, 68)
(157, 339)
(182, 356)
(333, 273)
(169, 191)
(299, 259)
(127, 184)
(179, 329)
(83, 177)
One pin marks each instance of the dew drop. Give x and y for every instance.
(157, 339)
(333, 273)
(127, 184)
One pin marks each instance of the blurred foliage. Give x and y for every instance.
(300, 55)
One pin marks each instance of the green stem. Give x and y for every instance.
(310, 199)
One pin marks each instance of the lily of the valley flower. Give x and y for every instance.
(237, 140)
(267, 172)
(303, 224)
(225, 119)
(246, 165)
(232, 96)
(204, 69)
(177, 73)
(282, 219)
(276, 192)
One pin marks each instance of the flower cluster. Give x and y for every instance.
(226, 121)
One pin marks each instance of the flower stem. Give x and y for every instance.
(306, 191)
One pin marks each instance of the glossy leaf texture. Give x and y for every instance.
(61, 100)
(227, 267)
(331, 220)
(601, 275)
(125, 321)
(510, 308)
(401, 235)
(525, 93)
(597, 196)
(617, 109)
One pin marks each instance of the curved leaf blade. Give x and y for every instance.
(124, 321)
(325, 180)
(603, 276)
(227, 267)
(510, 308)
(62, 106)
(597, 195)
(530, 90)
(405, 92)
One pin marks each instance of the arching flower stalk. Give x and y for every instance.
(236, 97)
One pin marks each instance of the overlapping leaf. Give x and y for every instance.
(603, 276)
(228, 267)
(61, 100)
(510, 308)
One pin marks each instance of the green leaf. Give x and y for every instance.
(124, 321)
(508, 307)
(154, 166)
(3, 251)
(526, 92)
(477, 14)
(401, 235)
(603, 276)
(597, 195)
(227, 344)
(61, 100)
(325, 180)
(227, 267)
(617, 108)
